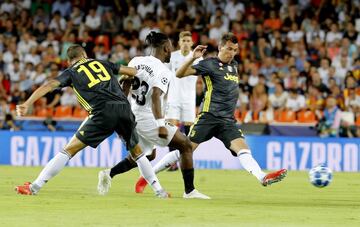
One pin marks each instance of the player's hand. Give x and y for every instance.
(21, 110)
(163, 133)
(199, 51)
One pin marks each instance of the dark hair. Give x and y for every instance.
(228, 37)
(156, 39)
(75, 51)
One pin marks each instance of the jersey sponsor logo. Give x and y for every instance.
(231, 77)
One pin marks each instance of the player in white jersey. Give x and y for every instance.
(182, 92)
(148, 89)
(181, 105)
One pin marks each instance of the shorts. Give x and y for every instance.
(114, 117)
(148, 132)
(207, 126)
(184, 112)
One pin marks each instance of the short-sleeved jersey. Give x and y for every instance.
(151, 72)
(181, 90)
(94, 83)
(221, 86)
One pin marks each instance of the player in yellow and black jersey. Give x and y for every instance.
(98, 91)
(216, 118)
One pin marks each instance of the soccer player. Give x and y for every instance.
(98, 91)
(216, 118)
(181, 96)
(149, 87)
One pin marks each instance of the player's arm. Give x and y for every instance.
(125, 83)
(22, 109)
(156, 109)
(126, 70)
(186, 69)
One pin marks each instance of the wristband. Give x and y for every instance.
(160, 122)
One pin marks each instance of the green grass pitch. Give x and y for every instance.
(70, 199)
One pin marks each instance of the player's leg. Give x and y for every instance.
(53, 167)
(125, 127)
(128, 163)
(233, 139)
(173, 116)
(188, 113)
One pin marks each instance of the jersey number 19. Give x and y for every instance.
(100, 72)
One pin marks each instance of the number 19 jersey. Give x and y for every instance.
(151, 72)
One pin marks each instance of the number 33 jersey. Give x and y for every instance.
(94, 83)
(151, 72)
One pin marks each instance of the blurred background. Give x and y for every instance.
(299, 62)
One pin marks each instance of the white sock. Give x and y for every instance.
(249, 163)
(148, 173)
(167, 161)
(52, 168)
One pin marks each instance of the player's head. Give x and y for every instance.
(75, 52)
(185, 41)
(228, 47)
(161, 44)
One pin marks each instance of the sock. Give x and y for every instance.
(187, 129)
(167, 161)
(148, 173)
(172, 149)
(249, 163)
(52, 168)
(123, 166)
(188, 176)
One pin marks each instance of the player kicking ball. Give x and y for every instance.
(98, 91)
(148, 89)
(216, 118)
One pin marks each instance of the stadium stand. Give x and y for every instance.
(293, 55)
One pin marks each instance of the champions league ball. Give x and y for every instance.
(320, 176)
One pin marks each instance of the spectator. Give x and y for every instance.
(232, 7)
(217, 30)
(145, 7)
(68, 98)
(295, 102)
(329, 125)
(57, 23)
(279, 97)
(92, 22)
(62, 6)
(135, 18)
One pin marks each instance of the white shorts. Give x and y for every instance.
(149, 135)
(184, 112)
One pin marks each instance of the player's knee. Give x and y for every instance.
(186, 145)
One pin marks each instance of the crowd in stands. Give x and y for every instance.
(299, 61)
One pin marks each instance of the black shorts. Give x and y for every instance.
(114, 117)
(207, 126)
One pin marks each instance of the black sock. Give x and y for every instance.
(172, 149)
(123, 166)
(187, 129)
(188, 176)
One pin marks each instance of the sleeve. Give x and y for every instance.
(201, 68)
(162, 81)
(64, 78)
(114, 68)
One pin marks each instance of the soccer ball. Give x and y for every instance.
(320, 176)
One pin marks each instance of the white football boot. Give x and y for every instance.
(195, 194)
(104, 183)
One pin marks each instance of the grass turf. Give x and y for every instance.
(70, 199)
